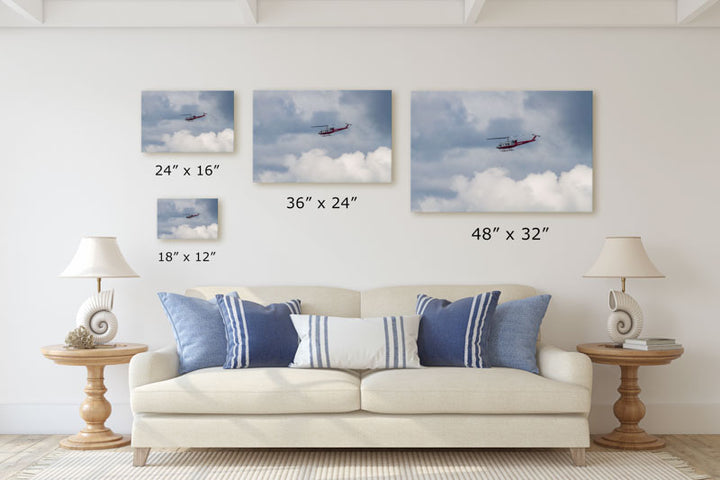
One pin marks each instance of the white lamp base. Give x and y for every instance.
(95, 314)
(626, 319)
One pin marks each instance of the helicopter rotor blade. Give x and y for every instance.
(318, 126)
(498, 138)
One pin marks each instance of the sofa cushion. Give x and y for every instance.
(251, 391)
(340, 302)
(469, 390)
(402, 300)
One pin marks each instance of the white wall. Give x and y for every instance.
(71, 165)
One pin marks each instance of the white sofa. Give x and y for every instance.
(434, 407)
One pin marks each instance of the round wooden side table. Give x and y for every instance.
(95, 409)
(629, 410)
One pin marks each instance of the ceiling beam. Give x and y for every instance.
(359, 13)
(472, 10)
(249, 8)
(578, 13)
(689, 10)
(29, 9)
(147, 13)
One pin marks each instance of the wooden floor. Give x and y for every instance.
(20, 451)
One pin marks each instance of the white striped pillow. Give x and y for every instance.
(356, 343)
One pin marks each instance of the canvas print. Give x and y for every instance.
(187, 218)
(328, 136)
(188, 121)
(502, 151)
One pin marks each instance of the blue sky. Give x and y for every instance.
(287, 149)
(164, 128)
(456, 168)
(173, 224)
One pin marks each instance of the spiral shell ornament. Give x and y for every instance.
(626, 319)
(95, 314)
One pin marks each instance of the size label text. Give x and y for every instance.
(522, 233)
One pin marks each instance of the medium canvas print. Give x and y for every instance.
(188, 121)
(187, 218)
(322, 136)
(502, 151)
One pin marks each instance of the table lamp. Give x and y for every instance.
(623, 257)
(98, 257)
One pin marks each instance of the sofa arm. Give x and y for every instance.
(151, 367)
(569, 367)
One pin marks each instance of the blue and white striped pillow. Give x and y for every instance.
(356, 343)
(454, 334)
(257, 335)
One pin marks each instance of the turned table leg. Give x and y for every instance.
(629, 410)
(95, 409)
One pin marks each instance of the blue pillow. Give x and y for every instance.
(258, 336)
(199, 331)
(514, 332)
(454, 334)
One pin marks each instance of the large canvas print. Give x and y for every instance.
(322, 136)
(187, 218)
(188, 121)
(502, 151)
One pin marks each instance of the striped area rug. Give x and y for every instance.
(357, 464)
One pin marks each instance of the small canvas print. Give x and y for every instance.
(187, 218)
(502, 151)
(322, 136)
(188, 121)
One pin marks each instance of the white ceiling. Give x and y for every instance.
(359, 13)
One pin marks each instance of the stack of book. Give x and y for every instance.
(651, 344)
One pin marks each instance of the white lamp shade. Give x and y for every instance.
(623, 257)
(98, 257)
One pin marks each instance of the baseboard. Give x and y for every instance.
(38, 418)
(669, 418)
(64, 418)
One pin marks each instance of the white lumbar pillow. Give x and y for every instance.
(356, 343)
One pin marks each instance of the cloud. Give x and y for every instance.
(309, 102)
(451, 134)
(284, 128)
(187, 218)
(317, 166)
(186, 232)
(164, 116)
(185, 141)
(179, 99)
(493, 191)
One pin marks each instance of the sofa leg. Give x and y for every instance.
(578, 456)
(140, 456)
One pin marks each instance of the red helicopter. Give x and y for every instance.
(189, 117)
(328, 130)
(192, 215)
(509, 144)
